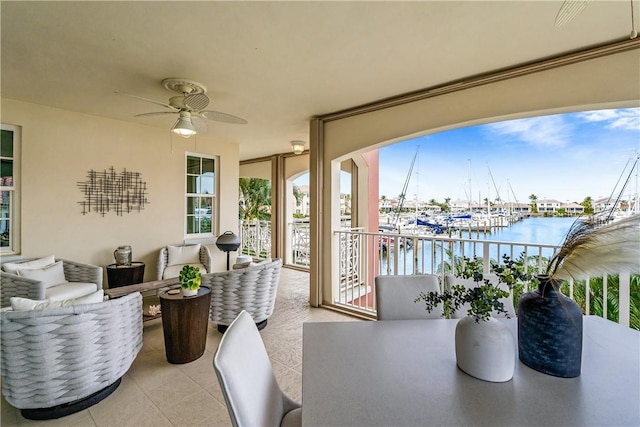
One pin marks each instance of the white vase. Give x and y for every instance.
(189, 292)
(485, 349)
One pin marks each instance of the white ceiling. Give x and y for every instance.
(276, 64)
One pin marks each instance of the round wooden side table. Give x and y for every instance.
(124, 275)
(184, 322)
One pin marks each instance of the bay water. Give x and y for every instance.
(427, 256)
(540, 230)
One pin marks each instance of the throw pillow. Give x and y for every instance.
(24, 304)
(13, 267)
(188, 254)
(51, 275)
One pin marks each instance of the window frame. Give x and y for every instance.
(215, 208)
(15, 193)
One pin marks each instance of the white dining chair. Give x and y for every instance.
(250, 389)
(395, 297)
(451, 280)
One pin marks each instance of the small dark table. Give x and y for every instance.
(123, 275)
(184, 322)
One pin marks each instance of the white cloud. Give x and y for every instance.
(547, 131)
(626, 119)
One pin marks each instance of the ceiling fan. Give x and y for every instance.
(189, 105)
(572, 8)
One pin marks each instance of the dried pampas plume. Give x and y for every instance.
(590, 250)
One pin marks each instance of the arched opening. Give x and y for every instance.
(596, 80)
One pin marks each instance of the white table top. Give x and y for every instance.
(404, 373)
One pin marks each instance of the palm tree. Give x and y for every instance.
(587, 203)
(255, 198)
(534, 205)
(297, 194)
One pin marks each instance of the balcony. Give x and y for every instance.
(364, 255)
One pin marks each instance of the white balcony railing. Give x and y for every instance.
(255, 237)
(364, 255)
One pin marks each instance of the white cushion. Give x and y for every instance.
(174, 270)
(68, 290)
(241, 265)
(241, 259)
(13, 267)
(24, 304)
(180, 255)
(50, 275)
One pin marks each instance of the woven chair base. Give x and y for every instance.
(71, 407)
(260, 325)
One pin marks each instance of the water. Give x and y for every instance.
(537, 231)
(543, 231)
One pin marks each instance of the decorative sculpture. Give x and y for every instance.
(110, 191)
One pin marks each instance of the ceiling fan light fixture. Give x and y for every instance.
(183, 126)
(297, 147)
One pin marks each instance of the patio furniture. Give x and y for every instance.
(58, 361)
(252, 289)
(184, 323)
(172, 258)
(450, 280)
(410, 365)
(250, 389)
(124, 275)
(395, 297)
(44, 280)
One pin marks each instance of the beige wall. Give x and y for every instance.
(58, 149)
(260, 170)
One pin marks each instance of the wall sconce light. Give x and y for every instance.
(183, 126)
(297, 147)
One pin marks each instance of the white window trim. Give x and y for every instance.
(215, 204)
(16, 202)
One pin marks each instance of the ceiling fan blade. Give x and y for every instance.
(156, 113)
(198, 123)
(222, 117)
(148, 100)
(569, 10)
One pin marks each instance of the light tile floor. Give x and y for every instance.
(157, 393)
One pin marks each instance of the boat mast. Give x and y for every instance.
(403, 195)
(470, 196)
(498, 198)
(624, 186)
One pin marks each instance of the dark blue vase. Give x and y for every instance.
(550, 331)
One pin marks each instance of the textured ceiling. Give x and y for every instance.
(276, 64)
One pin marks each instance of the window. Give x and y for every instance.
(200, 195)
(9, 189)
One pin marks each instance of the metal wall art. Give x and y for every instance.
(108, 191)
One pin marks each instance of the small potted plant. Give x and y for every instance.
(189, 280)
(485, 347)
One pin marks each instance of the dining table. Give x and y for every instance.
(404, 373)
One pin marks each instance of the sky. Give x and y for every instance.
(566, 157)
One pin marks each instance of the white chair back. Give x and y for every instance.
(450, 280)
(246, 377)
(395, 297)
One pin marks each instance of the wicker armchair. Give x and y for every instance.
(57, 361)
(163, 261)
(252, 289)
(12, 285)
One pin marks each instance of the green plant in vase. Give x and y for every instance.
(485, 347)
(189, 280)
